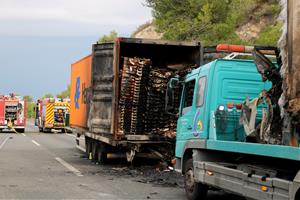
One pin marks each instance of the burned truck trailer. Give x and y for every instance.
(119, 95)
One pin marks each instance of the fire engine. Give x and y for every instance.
(52, 114)
(12, 113)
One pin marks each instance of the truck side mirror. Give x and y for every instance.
(173, 83)
(170, 104)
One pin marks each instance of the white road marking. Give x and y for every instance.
(69, 167)
(101, 194)
(71, 135)
(80, 148)
(23, 134)
(2, 144)
(34, 142)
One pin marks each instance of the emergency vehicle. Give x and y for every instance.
(12, 113)
(52, 114)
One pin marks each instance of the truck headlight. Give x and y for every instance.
(221, 108)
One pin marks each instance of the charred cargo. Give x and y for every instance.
(125, 99)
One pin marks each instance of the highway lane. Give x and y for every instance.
(41, 166)
(49, 166)
(30, 127)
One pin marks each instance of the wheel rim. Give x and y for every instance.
(189, 180)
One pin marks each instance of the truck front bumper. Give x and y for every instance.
(241, 183)
(6, 127)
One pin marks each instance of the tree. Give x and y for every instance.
(108, 38)
(30, 112)
(64, 94)
(211, 21)
(48, 95)
(29, 106)
(27, 98)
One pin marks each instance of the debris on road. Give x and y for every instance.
(156, 175)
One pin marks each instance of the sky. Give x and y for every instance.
(40, 39)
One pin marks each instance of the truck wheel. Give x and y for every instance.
(193, 190)
(46, 130)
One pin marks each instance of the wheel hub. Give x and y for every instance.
(189, 180)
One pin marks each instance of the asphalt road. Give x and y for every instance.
(49, 166)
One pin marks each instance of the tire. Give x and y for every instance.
(193, 190)
(94, 151)
(46, 130)
(20, 130)
(101, 153)
(41, 130)
(69, 131)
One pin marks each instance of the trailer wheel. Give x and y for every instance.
(88, 147)
(101, 153)
(193, 190)
(94, 150)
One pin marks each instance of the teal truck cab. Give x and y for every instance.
(213, 148)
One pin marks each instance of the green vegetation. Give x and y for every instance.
(108, 38)
(64, 94)
(27, 98)
(30, 104)
(215, 21)
(48, 95)
(270, 35)
(30, 113)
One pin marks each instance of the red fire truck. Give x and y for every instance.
(12, 112)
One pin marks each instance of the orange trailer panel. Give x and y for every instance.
(80, 92)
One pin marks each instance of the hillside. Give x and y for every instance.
(214, 21)
(147, 31)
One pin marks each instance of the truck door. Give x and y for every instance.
(187, 112)
(200, 118)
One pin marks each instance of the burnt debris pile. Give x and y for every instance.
(157, 121)
(142, 98)
(134, 79)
